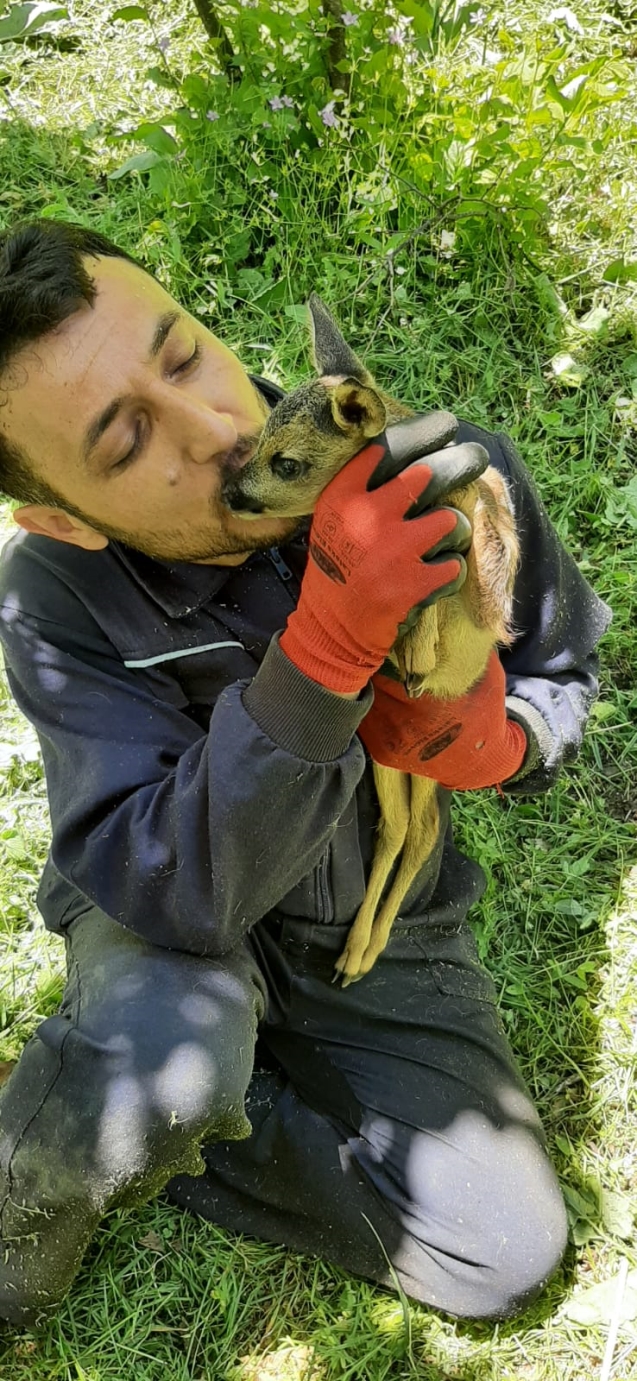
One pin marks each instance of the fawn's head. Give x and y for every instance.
(311, 433)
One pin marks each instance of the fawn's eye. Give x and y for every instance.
(286, 468)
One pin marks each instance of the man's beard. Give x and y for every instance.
(233, 536)
(181, 544)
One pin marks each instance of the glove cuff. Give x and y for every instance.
(299, 715)
(501, 761)
(319, 657)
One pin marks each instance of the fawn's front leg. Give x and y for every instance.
(416, 650)
(392, 789)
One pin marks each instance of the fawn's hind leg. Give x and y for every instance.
(393, 793)
(421, 836)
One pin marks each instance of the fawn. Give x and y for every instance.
(306, 440)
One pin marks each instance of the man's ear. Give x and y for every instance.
(55, 523)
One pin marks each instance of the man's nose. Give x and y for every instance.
(215, 436)
(202, 432)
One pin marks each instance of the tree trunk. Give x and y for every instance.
(215, 30)
(336, 46)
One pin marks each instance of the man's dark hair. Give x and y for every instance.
(43, 280)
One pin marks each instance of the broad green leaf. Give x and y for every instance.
(159, 176)
(28, 19)
(550, 298)
(581, 1204)
(602, 711)
(196, 91)
(160, 77)
(422, 166)
(569, 907)
(273, 295)
(245, 97)
(297, 311)
(495, 142)
(618, 1213)
(17, 847)
(422, 16)
(621, 506)
(578, 866)
(583, 1231)
(572, 141)
(237, 247)
(157, 138)
(467, 208)
(542, 116)
(597, 1304)
(315, 122)
(252, 283)
(393, 242)
(378, 63)
(463, 126)
(618, 271)
(128, 12)
(563, 1145)
(574, 980)
(140, 163)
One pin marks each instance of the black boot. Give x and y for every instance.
(150, 1054)
(51, 1203)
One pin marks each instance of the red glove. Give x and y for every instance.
(366, 569)
(463, 744)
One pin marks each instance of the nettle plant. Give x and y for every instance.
(399, 109)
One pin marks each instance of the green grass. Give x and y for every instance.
(161, 1295)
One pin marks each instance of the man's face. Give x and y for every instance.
(124, 372)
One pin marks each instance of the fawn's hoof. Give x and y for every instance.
(350, 967)
(348, 978)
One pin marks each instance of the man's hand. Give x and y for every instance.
(463, 744)
(378, 549)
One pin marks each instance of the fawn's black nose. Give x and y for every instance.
(238, 502)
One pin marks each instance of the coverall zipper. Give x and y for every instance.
(279, 564)
(325, 906)
(324, 901)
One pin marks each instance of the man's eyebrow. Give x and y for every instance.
(98, 426)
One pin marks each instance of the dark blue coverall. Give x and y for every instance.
(213, 818)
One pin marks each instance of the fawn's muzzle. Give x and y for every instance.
(238, 502)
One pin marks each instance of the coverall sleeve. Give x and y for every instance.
(185, 837)
(552, 667)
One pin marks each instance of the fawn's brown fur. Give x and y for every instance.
(306, 440)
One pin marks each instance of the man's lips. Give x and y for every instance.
(234, 460)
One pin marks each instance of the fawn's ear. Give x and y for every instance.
(330, 350)
(355, 407)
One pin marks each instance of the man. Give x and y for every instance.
(201, 688)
